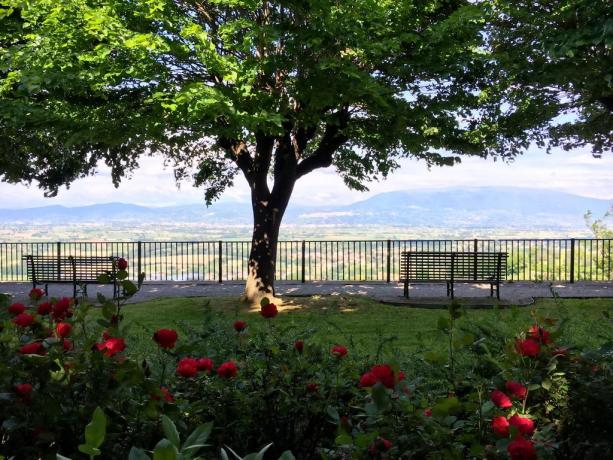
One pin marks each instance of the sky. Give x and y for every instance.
(151, 185)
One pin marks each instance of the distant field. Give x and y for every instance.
(364, 323)
(183, 231)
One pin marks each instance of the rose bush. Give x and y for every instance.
(70, 385)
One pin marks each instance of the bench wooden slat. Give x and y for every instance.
(452, 267)
(68, 269)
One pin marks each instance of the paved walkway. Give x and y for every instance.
(518, 293)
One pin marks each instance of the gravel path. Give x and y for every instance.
(517, 293)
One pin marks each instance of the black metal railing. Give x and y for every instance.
(560, 259)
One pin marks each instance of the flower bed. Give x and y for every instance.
(69, 386)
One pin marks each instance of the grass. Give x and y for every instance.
(362, 322)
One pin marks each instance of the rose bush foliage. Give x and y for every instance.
(70, 385)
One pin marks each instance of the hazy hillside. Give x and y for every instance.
(491, 207)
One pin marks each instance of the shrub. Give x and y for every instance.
(69, 385)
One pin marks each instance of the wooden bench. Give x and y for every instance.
(78, 271)
(453, 267)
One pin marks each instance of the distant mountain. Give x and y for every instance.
(484, 207)
(493, 207)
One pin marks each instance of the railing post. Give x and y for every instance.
(58, 250)
(303, 261)
(572, 260)
(475, 249)
(139, 258)
(219, 250)
(389, 260)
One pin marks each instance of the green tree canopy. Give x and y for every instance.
(265, 88)
(558, 54)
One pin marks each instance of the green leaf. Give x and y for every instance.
(89, 450)
(129, 287)
(5, 300)
(333, 414)
(108, 310)
(170, 431)
(165, 450)
(197, 438)
(57, 457)
(287, 455)
(138, 454)
(95, 431)
(380, 396)
(103, 278)
(546, 384)
(265, 301)
(449, 406)
(122, 275)
(443, 324)
(343, 440)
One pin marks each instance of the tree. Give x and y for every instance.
(599, 227)
(559, 53)
(271, 90)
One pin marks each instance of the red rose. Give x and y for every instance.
(527, 347)
(63, 330)
(379, 445)
(269, 310)
(165, 393)
(23, 389)
(384, 374)
(339, 351)
(23, 319)
(368, 380)
(312, 387)
(521, 449)
(516, 389)
(17, 309)
(166, 338)
(67, 345)
(205, 364)
(122, 263)
(36, 294)
(239, 326)
(500, 426)
(227, 370)
(501, 400)
(45, 308)
(539, 334)
(106, 335)
(34, 348)
(299, 345)
(187, 367)
(61, 309)
(428, 412)
(524, 425)
(112, 346)
(401, 376)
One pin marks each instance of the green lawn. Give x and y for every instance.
(361, 322)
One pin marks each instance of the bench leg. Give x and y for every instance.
(46, 289)
(406, 289)
(452, 294)
(491, 289)
(498, 290)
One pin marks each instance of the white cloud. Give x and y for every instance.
(575, 172)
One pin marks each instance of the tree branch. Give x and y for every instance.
(240, 154)
(332, 139)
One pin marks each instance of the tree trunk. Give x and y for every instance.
(267, 216)
(261, 275)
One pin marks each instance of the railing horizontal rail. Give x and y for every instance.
(536, 259)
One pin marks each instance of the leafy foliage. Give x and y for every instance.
(286, 395)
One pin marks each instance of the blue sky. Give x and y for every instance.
(575, 172)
